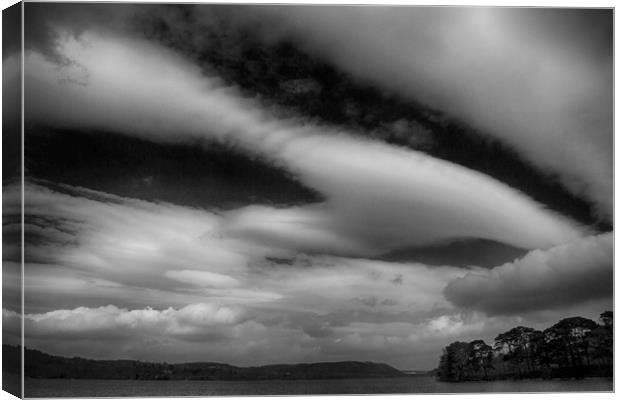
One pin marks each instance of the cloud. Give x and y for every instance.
(119, 266)
(303, 229)
(227, 334)
(202, 278)
(148, 91)
(100, 247)
(110, 322)
(545, 91)
(406, 197)
(47, 23)
(11, 327)
(567, 274)
(148, 254)
(308, 309)
(323, 284)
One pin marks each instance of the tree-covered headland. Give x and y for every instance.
(574, 347)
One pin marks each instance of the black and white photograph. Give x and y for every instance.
(219, 199)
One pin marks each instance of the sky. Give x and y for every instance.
(283, 184)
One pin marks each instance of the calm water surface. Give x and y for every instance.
(413, 384)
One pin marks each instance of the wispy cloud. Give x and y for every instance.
(204, 279)
(160, 254)
(129, 255)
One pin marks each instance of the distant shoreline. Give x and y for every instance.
(42, 365)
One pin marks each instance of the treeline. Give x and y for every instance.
(41, 365)
(574, 347)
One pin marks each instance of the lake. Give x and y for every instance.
(412, 384)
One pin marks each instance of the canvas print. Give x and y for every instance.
(227, 199)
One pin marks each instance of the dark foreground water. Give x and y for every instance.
(413, 384)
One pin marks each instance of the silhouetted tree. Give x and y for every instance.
(574, 347)
(453, 362)
(600, 341)
(607, 319)
(568, 342)
(480, 357)
(516, 347)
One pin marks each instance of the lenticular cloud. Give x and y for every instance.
(406, 196)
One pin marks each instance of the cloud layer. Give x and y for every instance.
(110, 321)
(150, 92)
(567, 274)
(504, 70)
(155, 278)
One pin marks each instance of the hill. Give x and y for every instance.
(42, 365)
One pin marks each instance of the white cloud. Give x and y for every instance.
(407, 198)
(202, 278)
(571, 273)
(538, 79)
(325, 284)
(110, 322)
(303, 228)
(143, 253)
(130, 249)
(387, 197)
